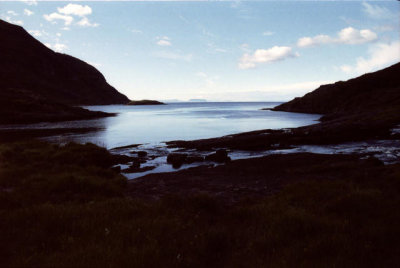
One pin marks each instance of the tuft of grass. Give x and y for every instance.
(36, 172)
(60, 210)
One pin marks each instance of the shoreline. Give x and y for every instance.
(249, 179)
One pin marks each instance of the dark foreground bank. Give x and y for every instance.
(67, 205)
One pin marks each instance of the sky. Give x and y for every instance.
(217, 50)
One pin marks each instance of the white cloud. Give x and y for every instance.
(164, 41)
(245, 47)
(27, 12)
(268, 33)
(84, 22)
(221, 50)
(75, 9)
(215, 49)
(276, 53)
(280, 92)
(350, 35)
(30, 2)
(136, 31)
(346, 68)
(385, 28)
(10, 20)
(56, 16)
(312, 41)
(35, 33)
(95, 64)
(67, 14)
(380, 56)
(347, 35)
(377, 12)
(172, 55)
(208, 80)
(12, 13)
(57, 47)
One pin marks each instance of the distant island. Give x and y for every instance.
(197, 100)
(362, 108)
(145, 102)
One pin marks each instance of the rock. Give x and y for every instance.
(121, 159)
(116, 169)
(140, 160)
(135, 164)
(132, 169)
(139, 153)
(220, 156)
(142, 153)
(194, 158)
(374, 162)
(176, 159)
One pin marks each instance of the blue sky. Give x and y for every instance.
(217, 50)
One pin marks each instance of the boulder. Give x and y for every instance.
(220, 156)
(116, 169)
(176, 159)
(121, 159)
(194, 158)
(142, 153)
(140, 160)
(132, 169)
(135, 164)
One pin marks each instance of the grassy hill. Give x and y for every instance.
(368, 93)
(38, 84)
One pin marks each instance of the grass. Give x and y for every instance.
(62, 206)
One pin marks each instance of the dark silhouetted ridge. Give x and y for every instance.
(38, 84)
(368, 93)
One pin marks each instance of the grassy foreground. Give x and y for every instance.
(64, 206)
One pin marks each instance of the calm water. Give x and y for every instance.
(157, 123)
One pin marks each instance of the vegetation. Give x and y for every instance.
(40, 85)
(368, 93)
(63, 206)
(20, 107)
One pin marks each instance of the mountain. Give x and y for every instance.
(367, 94)
(37, 82)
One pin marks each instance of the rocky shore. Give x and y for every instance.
(249, 179)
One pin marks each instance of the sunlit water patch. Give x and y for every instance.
(175, 121)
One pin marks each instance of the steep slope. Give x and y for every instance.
(28, 65)
(366, 94)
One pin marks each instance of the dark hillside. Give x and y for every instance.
(368, 93)
(38, 84)
(26, 64)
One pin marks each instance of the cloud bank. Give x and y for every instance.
(377, 12)
(67, 14)
(75, 9)
(260, 56)
(380, 55)
(347, 35)
(164, 41)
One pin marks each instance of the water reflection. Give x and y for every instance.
(157, 123)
